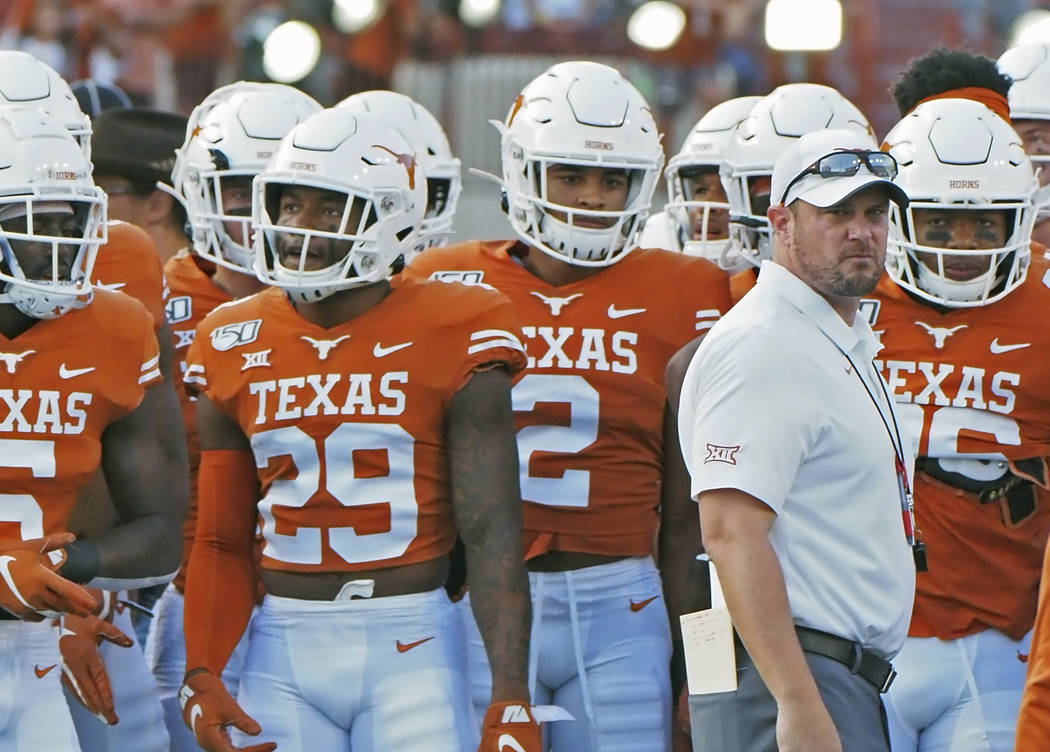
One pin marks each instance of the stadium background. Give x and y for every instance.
(465, 60)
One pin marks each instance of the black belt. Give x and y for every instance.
(859, 660)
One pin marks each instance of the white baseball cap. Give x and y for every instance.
(796, 175)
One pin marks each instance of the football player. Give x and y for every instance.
(960, 342)
(424, 132)
(126, 262)
(695, 219)
(229, 138)
(1029, 67)
(84, 391)
(581, 156)
(364, 419)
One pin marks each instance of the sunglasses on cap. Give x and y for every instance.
(846, 164)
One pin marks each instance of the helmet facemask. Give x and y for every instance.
(352, 245)
(47, 272)
(212, 221)
(695, 222)
(924, 270)
(569, 238)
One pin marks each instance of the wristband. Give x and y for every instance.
(81, 564)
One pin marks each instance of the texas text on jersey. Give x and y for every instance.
(973, 395)
(360, 481)
(60, 387)
(589, 410)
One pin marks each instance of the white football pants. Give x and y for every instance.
(600, 648)
(166, 657)
(957, 696)
(33, 711)
(364, 675)
(135, 699)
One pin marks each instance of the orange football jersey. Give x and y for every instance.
(191, 296)
(347, 423)
(128, 262)
(741, 282)
(63, 381)
(589, 409)
(973, 387)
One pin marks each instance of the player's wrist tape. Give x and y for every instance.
(81, 564)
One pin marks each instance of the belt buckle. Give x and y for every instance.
(355, 589)
(888, 681)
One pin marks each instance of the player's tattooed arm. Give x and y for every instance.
(483, 459)
(142, 547)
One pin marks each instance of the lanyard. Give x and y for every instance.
(913, 536)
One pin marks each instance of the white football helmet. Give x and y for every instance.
(43, 170)
(357, 156)
(956, 154)
(232, 133)
(1029, 66)
(26, 82)
(783, 115)
(704, 147)
(424, 132)
(579, 113)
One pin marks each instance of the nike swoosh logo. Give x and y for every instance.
(506, 741)
(996, 348)
(639, 605)
(404, 647)
(42, 672)
(68, 373)
(619, 313)
(195, 713)
(381, 352)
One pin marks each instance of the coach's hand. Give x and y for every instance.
(207, 708)
(510, 727)
(29, 587)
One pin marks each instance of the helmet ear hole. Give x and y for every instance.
(425, 135)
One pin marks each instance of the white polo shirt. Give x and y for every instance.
(772, 406)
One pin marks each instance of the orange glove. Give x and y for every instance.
(83, 672)
(208, 709)
(510, 727)
(29, 587)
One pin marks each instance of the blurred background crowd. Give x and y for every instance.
(464, 59)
